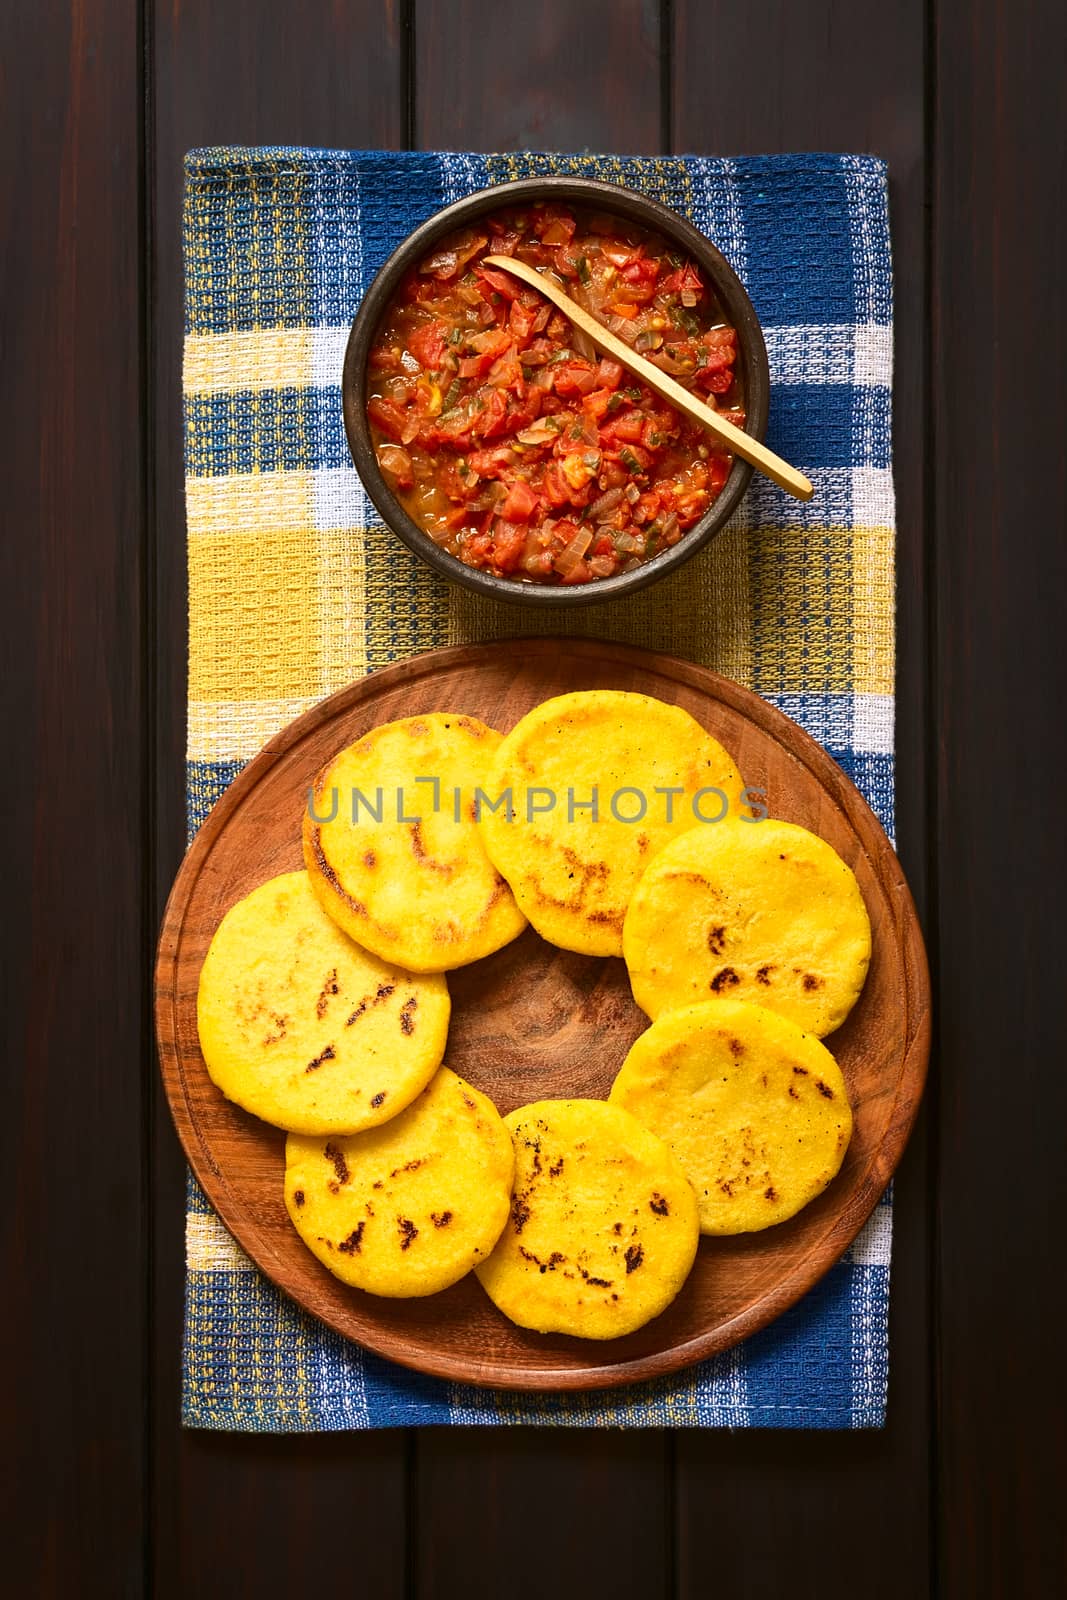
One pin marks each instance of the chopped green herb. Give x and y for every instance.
(456, 336)
(614, 403)
(583, 270)
(455, 391)
(633, 394)
(577, 431)
(684, 318)
(629, 461)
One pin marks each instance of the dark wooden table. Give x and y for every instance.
(961, 1496)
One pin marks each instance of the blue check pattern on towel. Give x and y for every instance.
(295, 589)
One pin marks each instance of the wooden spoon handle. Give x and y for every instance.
(736, 439)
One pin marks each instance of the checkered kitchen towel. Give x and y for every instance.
(295, 589)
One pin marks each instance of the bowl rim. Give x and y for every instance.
(638, 208)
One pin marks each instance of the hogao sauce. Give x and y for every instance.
(508, 439)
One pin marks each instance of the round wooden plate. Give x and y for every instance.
(536, 1022)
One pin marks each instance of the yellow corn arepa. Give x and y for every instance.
(760, 911)
(419, 892)
(755, 1110)
(572, 875)
(304, 1028)
(603, 1228)
(408, 1208)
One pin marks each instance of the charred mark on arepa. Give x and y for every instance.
(357, 908)
(298, 1197)
(556, 1168)
(763, 974)
(801, 1072)
(408, 1232)
(520, 1212)
(354, 1243)
(280, 1024)
(407, 1015)
(378, 1099)
(473, 728)
(409, 1166)
(422, 855)
(370, 860)
(440, 1219)
(659, 1205)
(725, 979)
(634, 1256)
(383, 991)
(327, 1054)
(737, 1049)
(597, 1283)
(770, 1193)
(336, 1157)
(329, 988)
(811, 982)
(824, 1089)
(716, 940)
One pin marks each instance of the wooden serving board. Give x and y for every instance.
(536, 1022)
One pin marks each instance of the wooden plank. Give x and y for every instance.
(551, 77)
(822, 1508)
(75, 928)
(599, 1502)
(236, 1512)
(999, 353)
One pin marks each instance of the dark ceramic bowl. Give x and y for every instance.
(601, 197)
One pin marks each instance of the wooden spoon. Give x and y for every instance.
(735, 439)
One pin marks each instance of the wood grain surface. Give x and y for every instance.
(533, 1022)
(960, 1496)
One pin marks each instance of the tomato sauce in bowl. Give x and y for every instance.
(508, 439)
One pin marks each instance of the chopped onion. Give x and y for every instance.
(572, 553)
(627, 543)
(602, 566)
(648, 340)
(443, 263)
(689, 298)
(669, 529)
(583, 345)
(606, 502)
(633, 493)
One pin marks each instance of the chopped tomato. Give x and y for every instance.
(427, 344)
(629, 427)
(490, 414)
(573, 377)
(521, 320)
(609, 373)
(387, 417)
(500, 282)
(509, 541)
(520, 503)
